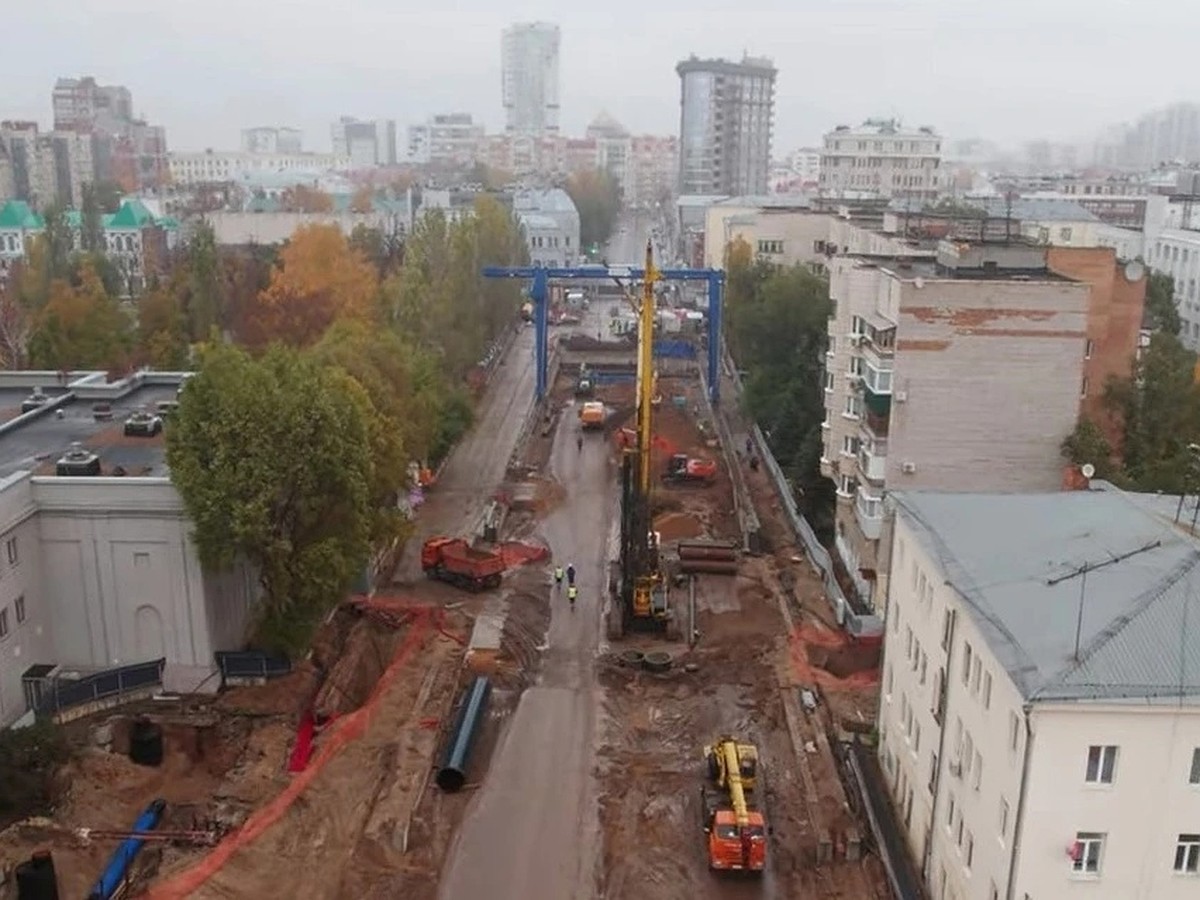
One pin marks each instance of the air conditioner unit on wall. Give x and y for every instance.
(908, 467)
(901, 396)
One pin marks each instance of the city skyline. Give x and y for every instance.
(233, 67)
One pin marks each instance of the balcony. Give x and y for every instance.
(874, 426)
(878, 378)
(872, 458)
(868, 509)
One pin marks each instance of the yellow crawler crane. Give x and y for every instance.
(638, 595)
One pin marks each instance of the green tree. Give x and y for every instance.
(272, 457)
(384, 250)
(777, 325)
(597, 197)
(406, 409)
(1159, 408)
(91, 227)
(202, 287)
(1161, 312)
(1087, 445)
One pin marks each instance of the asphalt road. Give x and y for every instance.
(477, 465)
(533, 831)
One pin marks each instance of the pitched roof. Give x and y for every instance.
(17, 214)
(1015, 561)
(132, 214)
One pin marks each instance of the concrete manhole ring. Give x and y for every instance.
(657, 661)
(633, 658)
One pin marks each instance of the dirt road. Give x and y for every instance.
(476, 466)
(533, 831)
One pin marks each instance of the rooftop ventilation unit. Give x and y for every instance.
(77, 462)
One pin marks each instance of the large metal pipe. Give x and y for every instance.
(452, 774)
(708, 566)
(115, 873)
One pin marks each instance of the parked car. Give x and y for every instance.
(143, 424)
(102, 412)
(36, 400)
(166, 408)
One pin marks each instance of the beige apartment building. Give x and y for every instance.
(962, 372)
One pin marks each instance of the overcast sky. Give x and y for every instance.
(1009, 70)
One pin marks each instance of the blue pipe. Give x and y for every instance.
(452, 774)
(118, 865)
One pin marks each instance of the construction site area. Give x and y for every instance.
(472, 728)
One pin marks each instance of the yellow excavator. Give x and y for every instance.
(637, 586)
(736, 828)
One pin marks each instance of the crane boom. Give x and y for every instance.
(733, 780)
(645, 372)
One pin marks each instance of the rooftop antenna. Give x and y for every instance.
(1082, 573)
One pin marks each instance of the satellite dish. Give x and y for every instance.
(1087, 470)
(1134, 270)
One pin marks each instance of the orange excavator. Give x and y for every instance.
(736, 828)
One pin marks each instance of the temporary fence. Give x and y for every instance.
(808, 538)
(338, 735)
(57, 694)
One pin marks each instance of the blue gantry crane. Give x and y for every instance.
(541, 276)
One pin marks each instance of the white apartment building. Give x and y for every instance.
(962, 372)
(453, 138)
(270, 139)
(1039, 725)
(211, 167)
(550, 222)
(529, 78)
(726, 122)
(883, 158)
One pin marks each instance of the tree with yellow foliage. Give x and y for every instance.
(318, 280)
(81, 327)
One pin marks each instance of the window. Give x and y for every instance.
(1187, 854)
(1088, 348)
(947, 628)
(916, 737)
(1014, 731)
(950, 814)
(1088, 849)
(1003, 818)
(19, 606)
(976, 669)
(924, 666)
(828, 381)
(1101, 763)
(966, 675)
(770, 247)
(849, 446)
(1194, 777)
(978, 769)
(3, 623)
(987, 690)
(12, 551)
(933, 761)
(1083, 387)
(853, 407)
(970, 849)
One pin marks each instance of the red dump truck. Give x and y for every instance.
(455, 561)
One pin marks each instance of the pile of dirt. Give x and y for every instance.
(675, 526)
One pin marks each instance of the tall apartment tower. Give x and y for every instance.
(726, 116)
(529, 73)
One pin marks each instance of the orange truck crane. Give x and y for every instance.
(736, 828)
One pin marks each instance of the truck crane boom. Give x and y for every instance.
(734, 823)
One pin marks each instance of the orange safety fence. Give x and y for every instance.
(343, 731)
(802, 638)
(515, 553)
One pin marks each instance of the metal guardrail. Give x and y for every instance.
(251, 664)
(803, 531)
(57, 694)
